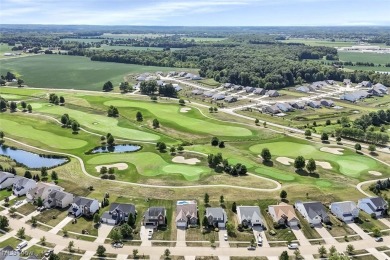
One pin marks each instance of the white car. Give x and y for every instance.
(150, 234)
(225, 236)
(259, 240)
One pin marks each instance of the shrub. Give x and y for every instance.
(272, 232)
(216, 230)
(111, 177)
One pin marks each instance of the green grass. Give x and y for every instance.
(46, 216)
(203, 39)
(376, 58)
(26, 209)
(365, 68)
(82, 224)
(68, 256)
(71, 72)
(5, 193)
(318, 42)
(12, 241)
(36, 250)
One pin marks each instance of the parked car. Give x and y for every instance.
(225, 236)
(293, 246)
(259, 240)
(379, 239)
(117, 245)
(251, 248)
(21, 246)
(150, 234)
(49, 252)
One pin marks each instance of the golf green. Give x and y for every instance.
(45, 137)
(99, 123)
(193, 121)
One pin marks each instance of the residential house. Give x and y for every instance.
(216, 217)
(83, 206)
(9, 253)
(22, 186)
(303, 89)
(182, 74)
(189, 76)
(230, 99)
(7, 179)
(355, 95)
(347, 82)
(227, 85)
(177, 87)
(141, 78)
(195, 77)
(160, 83)
(366, 84)
(283, 214)
(186, 213)
(41, 190)
(312, 89)
(380, 89)
(298, 105)
(118, 213)
(329, 81)
(318, 84)
(271, 109)
(314, 104)
(327, 103)
(172, 73)
(249, 216)
(218, 96)
(237, 87)
(59, 199)
(373, 205)
(259, 91)
(249, 89)
(375, 92)
(272, 93)
(314, 212)
(155, 216)
(284, 107)
(197, 92)
(345, 210)
(208, 93)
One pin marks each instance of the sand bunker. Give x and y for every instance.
(337, 151)
(119, 166)
(375, 173)
(324, 165)
(181, 159)
(285, 160)
(185, 109)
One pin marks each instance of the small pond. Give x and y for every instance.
(119, 148)
(31, 160)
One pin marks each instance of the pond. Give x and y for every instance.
(119, 148)
(31, 160)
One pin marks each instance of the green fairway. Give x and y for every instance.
(71, 72)
(376, 58)
(25, 130)
(275, 174)
(11, 97)
(100, 123)
(150, 164)
(192, 121)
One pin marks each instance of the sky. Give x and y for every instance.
(197, 12)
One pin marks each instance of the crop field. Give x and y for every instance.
(71, 72)
(317, 42)
(376, 58)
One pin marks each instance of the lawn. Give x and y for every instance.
(36, 250)
(4, 194)
(26, 209)
(12, 241)
(52, 217)
(376, 58)
(71, 72)
(68, 256)
(82, 224)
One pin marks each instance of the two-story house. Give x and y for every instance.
(22, 186)
(345, 210)
(59, 199)
(83, 206)
(216, 217)
(118, 213)
(155, 216)
(373, 205)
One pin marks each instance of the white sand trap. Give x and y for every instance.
(285, 160)
(181, 159)
(185, 109)
(324, 165)
(337, 151)
(119, 166)
(375, 173)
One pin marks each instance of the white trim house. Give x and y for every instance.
(345, 210)
(84, 206)
(375, 205)
(22, 186)
(7, 179)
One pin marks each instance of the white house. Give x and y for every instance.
(345, 210)
(314, 212)
(84, 206)
(249, 216)
(22, 186)
(58, 198)
(375, 205)
(41, 190)
(7, 179)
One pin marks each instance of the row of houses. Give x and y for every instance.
(184, 74)
(314, 86)
(248, 89)
(291, 106)
(378, 90)
(215, 96)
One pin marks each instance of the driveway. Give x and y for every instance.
(221, 235)
(324, 233)
(300, 236)
(62, 224)
(181, 237)
(144, 236)
(259, 230)
(359, 231)
(385, 221)
(103, 232)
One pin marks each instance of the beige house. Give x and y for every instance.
(284, 214)
(42, 190)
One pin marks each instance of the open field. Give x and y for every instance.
(71, 72)
(376, 58)
(327, 43)
(353, 68)
(203, 39)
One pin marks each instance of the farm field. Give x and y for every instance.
(72, 72)
(365, 68)
(376, 58)
(317, 42)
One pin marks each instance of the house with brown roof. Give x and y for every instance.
(186, 213)
(283, 214)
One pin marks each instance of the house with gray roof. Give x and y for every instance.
(82, 206)
(182, 74)
(218, 96)
(249, 216)
(366, 84)
(177, 87)
(119, 213)
(186, 213)
(314, 212)
(259, 91)
(355, 95)
(208, 93)
(303, 89)
(273, 93)
(284, 107)
(379, 89)
(249, 89)
(7, 179)
(59, 199)
(317, 84)
(237, 87)
(22, 186)
(298, 105)
(230, 99)
(9, 253)
(41, 190)
(155, 216)
(227, 85)
(271, 109)
(347, 81)
(189, 76)
(329, 81)
(345, 210)
(327, 103)
(373, 205)
(216, 217)
(195, 77)
(197, 92)
(314, 104)
(160, 83)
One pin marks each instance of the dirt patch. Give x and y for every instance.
(119, 166)
(337, 151)
(185, 109)
(324, 165)
(181, 159)
(375, 173)
(285, 160)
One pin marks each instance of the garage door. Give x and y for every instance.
(181, 224)
(221, 225)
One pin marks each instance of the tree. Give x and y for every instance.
(167, 253)
(3, 105)
(307, 133)
(44, 172)
(139, 117)
(332, 250)
(172, 149)
(358, 147)
(221, 200)
(311, 165)
(12, 211)
(265, 124)
(4, 223)
(234, 207)
(205, 222)
(131, 220)
(230, 229)
(96, 218)
(101, 250)
(215, 109)
(350, 249)
(34, 221)
(65, 119)
(372, 148)
(1, 135)
(299, 163)
(111, 170)
(156, 123)
(116, 235)
(284, 256)
(297, 254)
(338, 139)
(180, 148)
(110, 140)
(24, 105)
(322, 251)
(103, 170)
(257, 121)
(124, 87)
(13, 106)
(27, 174)
(135, 253)
(126, 231)
(376, 232)
(324, 137)
(62, 100)
(266, 154)
(54, 175)
(20, 82)
(39, 202)
(108, 86)
(21, 233)
(162, 146)
(206, 198)
(214, 141)
(75, 127)
(182, 102)
(283, 194)
(29, 108)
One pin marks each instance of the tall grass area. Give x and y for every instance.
(376, 58)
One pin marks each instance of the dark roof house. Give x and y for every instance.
(155, 216)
